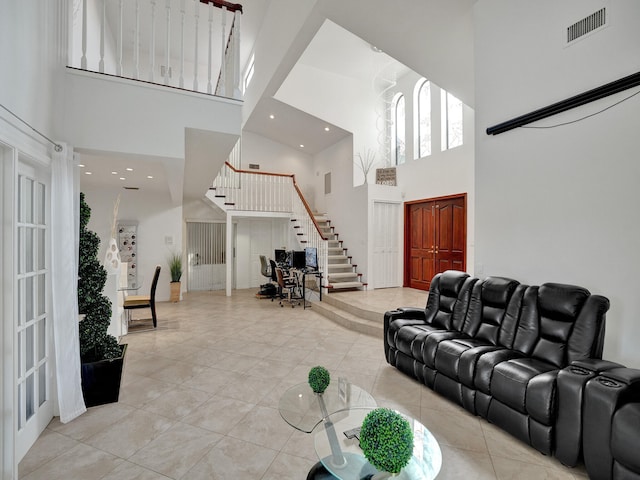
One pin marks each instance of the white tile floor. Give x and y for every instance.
(200, 394)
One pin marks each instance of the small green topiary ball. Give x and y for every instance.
(386, 440)
(319, 379)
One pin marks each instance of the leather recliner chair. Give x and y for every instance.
(611, 425)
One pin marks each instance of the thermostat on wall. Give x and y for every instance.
(168, 239)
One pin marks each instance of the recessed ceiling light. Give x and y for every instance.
(122, 178)
(81, 165)
(301, 146)
(326, 129)
(149, 176)
(129, 169)
(272, 116)
(87, 173)
(114, 173)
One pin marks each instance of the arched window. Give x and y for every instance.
(398, 136)
(451, 108)
(424, 119)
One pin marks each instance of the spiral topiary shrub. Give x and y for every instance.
(386, 440)
(95, 343)
(319, 379)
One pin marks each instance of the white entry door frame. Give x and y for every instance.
(26, 394)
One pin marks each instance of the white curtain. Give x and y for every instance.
(65, 206)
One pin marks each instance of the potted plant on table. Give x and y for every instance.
(175, 269)
(101, 356)
(386, 440)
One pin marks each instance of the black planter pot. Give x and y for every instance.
(101, 380)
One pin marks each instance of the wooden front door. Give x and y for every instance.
(435, 239)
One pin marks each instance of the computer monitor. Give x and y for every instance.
(280, 256)
(298, 260)
(311, 258)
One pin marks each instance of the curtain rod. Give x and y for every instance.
(573, 102)
(57, 147)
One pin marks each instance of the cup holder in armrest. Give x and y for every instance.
(608, 382)
(580, 371)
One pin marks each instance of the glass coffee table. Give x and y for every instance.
(343, 408)
(347, 462)
(299, 406)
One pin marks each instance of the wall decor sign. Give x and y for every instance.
(386, 176)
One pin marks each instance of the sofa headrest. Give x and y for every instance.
(561, 302)
(451, 282)
(496, 291)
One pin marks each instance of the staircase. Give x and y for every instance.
(341, 273)
(236, 190)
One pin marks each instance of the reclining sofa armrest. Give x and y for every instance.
(571, 384)
(407, 315)
(417, 311)
(604, 394)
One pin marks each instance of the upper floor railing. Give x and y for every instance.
(249, 190)
(189, 44)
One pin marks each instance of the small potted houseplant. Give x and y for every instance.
(175, 269)
(319, 379)
(102, 357)
(386, 440)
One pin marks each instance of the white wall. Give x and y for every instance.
(114, 115)
(274, 157)
(340, 100)
(27, 52)
(259, 236)
(560, 204)
(157, 219)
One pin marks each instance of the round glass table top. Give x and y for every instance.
(300, 408)
(345, 460)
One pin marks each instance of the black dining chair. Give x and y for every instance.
(133, 302)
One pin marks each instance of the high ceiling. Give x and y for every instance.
(434, 37)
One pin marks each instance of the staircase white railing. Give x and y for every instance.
(247, 190)
(179, 43)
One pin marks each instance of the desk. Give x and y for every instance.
(304, 274)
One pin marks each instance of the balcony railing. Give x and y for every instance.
(188, 44)
(248, 190)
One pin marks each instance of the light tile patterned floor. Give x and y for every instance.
(200, 395)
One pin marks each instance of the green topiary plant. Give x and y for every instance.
(319, 379)
(95, 343)
(386, 440)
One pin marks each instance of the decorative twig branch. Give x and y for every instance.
(366, 162)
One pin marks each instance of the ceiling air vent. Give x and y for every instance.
(254, 166)
(586, 25)
(131, 188)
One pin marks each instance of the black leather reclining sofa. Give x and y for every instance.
(496, 347)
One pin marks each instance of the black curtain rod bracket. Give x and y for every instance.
(564, 105)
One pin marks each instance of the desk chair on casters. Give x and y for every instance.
(264, 267)
(288, 287)
(133, 302)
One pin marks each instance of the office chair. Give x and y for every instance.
(269, 289)
(264, 267)
(133, 302)
(288, 287)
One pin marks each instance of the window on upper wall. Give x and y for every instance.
(249, 73)
(423, 104)
(398, 135)
(451, 111)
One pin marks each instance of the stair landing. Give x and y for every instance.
(363, 310)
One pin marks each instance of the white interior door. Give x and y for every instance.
(386, 245)
(32, 339)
